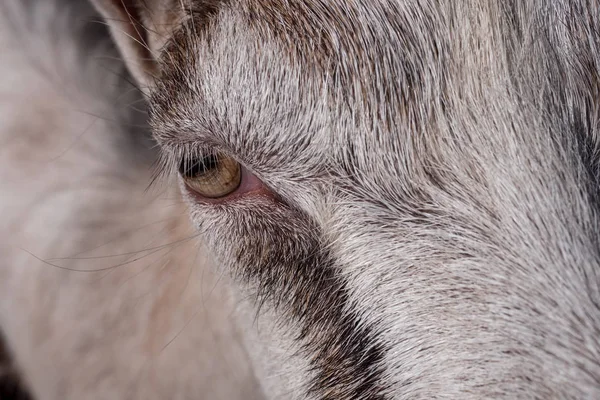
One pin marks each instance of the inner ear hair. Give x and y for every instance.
(140, 28)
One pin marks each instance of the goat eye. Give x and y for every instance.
(212, 176)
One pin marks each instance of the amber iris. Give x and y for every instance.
(213, 176)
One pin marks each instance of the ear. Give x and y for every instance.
(140, 28)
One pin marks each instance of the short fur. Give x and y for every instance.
(432, 227)
(105, 293)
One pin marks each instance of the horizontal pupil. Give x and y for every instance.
(198, 167)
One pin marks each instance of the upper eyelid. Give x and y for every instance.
(190, 140)
(182, 139)
(174, 152)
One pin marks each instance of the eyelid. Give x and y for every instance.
(250, 185)
(173, 155)
(171, 158)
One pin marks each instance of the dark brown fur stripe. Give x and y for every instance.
(298, 276)
(294, 272)
(286, 261)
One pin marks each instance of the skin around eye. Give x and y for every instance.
(217, 178)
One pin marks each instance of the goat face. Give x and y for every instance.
(406, 191)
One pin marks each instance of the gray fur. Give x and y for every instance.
(149, 319)
(446, 152)
(432, 227)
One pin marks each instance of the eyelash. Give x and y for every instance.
(169, 161)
